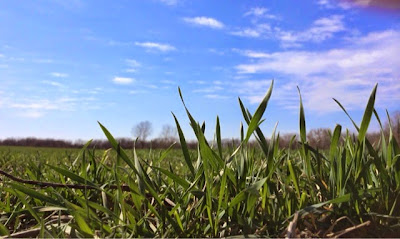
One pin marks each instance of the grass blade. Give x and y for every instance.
(367, 115)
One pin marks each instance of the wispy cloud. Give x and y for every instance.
(169, 2)
(216, 96)
(33, 114)
(321, 29)
(43, 61)
(118, 43)
(325, 4)
(37, 105)
(347, 73)
(260, 12)
(259, 30)
(251, 54)
(59, 75)
(123, 80)
(53, 83)
(168, 82)
(133, 65)
(350, 4)
(204, 21)
(135, 92)
(156, 46)
(210, 89)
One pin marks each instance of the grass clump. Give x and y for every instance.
(213, 192)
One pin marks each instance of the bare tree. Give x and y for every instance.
(168, 133)
(319, 138)
(142, 130)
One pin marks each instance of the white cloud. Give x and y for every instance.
(252, 54)
(1, 55)
(156, 46)
(3, 66)
(53, 83)
(58, 74)
(260, 12)
(326, 4)
(37, 105)
(215, 96)
(321, 29)
(347, 73)
(135, 92)
(259, 30)
(123, 80)
(205, 21)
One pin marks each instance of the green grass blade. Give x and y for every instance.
(348, 115)
(174, 177)
(28, 207)
(303, 134)
(3, 230)
(82, 224)
(367, 115)
(71, 175)
(293, 176)
(184, 147)
(255, 120)
(218, 136)
(115, 146)
(35, 194)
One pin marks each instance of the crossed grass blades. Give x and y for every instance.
(211, 192)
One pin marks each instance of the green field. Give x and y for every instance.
(261, 191)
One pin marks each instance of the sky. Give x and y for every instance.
(66, 64)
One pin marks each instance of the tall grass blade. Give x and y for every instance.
(184, 147)
(255, 120)
(367, 115)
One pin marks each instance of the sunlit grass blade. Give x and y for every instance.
(82, 224)
(255, 120)
(115, 146)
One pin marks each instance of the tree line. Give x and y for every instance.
(317, 138)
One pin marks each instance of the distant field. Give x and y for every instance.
(352, 189)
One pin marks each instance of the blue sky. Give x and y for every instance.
(64, 65)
